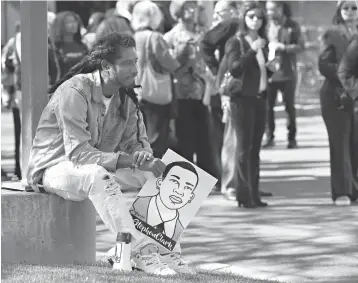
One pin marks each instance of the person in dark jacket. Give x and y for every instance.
(337, 115)
(285, 41)
(214, 41)
(246, 54)
(348, 75)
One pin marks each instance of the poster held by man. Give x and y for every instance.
(165, 206)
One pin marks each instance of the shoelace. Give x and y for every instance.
(155, 260)
(179, 260)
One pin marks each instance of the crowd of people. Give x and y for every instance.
(129, 86)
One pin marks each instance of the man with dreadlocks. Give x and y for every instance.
(91, 143)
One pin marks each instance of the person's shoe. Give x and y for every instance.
(149, 261)
(260, 203)
(292, 144)
(177, 263)
(270, 142)
(265, 194)
(342, 201)
(230, 194)
(246, 204)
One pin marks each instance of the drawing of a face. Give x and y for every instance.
(177, 188)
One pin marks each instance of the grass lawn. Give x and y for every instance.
(11, 273)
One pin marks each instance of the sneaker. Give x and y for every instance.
(342, 201)
(149, 261)
(177, 263)
(109, 257)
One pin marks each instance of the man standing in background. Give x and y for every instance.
(285, 41)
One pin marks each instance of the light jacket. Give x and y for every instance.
(74, 127)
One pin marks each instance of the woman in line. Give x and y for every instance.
(193, 120)
(152, 49)
(348, 75)
(246, 55)
(337, 113)
(68, 40)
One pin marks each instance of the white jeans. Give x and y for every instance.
(76, 183)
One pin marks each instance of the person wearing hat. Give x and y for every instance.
(337, 104)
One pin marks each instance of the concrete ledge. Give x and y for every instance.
(46, 229)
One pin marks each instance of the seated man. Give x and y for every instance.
(91, 143)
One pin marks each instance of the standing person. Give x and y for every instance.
(285, 41)
(152, 49)
(348, 75)
(93, 23)
(54, 70)
(113, 24)
(68, 40)
(247, 57)
(192, 122)
(91, 143)
(337, 116)
(11, 67)
(212, 48)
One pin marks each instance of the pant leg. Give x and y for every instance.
(229, 176)
(157, 126)
(271, 102)
(104, 191)
(242, 118)
(203, 143)
(17, 128)
(185, 129)
(354, 150)
(259, 130)
(217, 135)
(288, 91)
(338, 124)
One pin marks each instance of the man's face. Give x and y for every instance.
(177, 188)
(274, 11)
(222, 12)
(124, 71)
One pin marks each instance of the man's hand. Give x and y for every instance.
(156, 166)
(141, 157)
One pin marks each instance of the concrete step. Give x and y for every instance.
(46, 229)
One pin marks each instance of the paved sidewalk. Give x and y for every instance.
(300, 237)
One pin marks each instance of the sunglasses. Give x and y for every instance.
(252, 16)
(352, 8)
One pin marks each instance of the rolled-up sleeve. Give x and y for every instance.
(135, 136)
(71, 114)
(348, 69)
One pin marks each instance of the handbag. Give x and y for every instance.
(229, 84)
(155, 88)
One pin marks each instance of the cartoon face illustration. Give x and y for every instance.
(176, 186)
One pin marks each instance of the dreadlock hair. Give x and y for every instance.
(106, 48)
